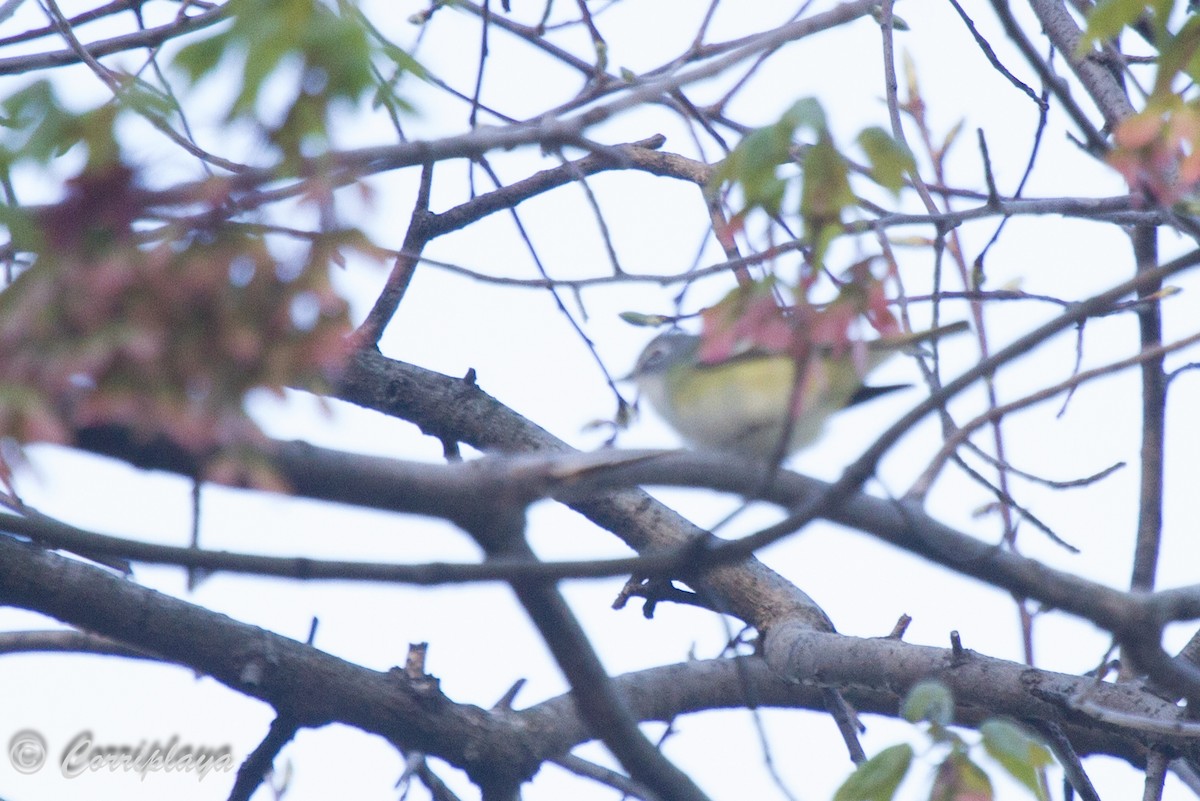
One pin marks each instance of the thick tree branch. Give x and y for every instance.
(317, 688)
(1136, 618)
(451, 409)
(311, 687)
(1104, 89)
(497, 521)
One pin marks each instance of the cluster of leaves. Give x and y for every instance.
(752, 318)
(327, 55)
(1157, 150)
(328, 59)
(36, 127)
(824, 177)
(824, 341)
(166, 335)
(167, 331)
(957, 777)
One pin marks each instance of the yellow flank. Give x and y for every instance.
(741, 405)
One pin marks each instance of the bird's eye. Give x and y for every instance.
(655, 356)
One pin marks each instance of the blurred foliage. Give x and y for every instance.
(164, 312)
(1156, 150)
(325, 56)
(751, 317)
(957, 776)
(878, 777)
(824, 172)
(36, 127)
(166, 333)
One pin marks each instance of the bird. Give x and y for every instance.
(742, 405)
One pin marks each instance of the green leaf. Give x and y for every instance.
(824, 195)
(402, 59)
(1178, 54)
(889, 159)
(826, 182)
(23, 231)
(754, 163)
(960, 779)
(39, 127)
(202, 57)
(805, 113)
(328, 55)
(145, 98)
(1018, 752)
(644, 320)
(931, 701)
(878, 777)
(1108, 19)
